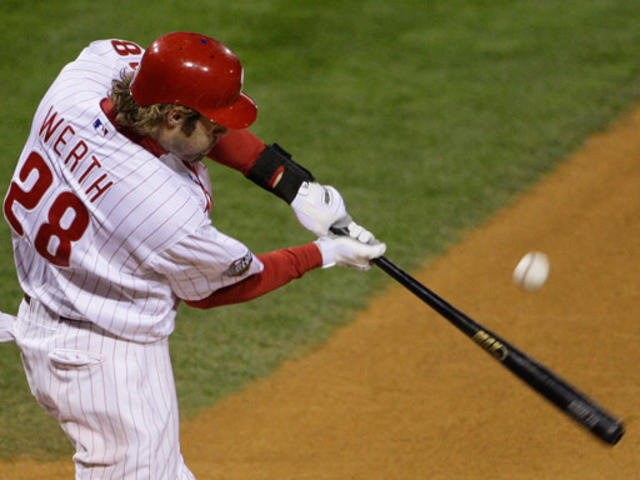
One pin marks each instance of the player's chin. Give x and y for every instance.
(216, 139)
(212, 143)
(193, 157)
(196, 157)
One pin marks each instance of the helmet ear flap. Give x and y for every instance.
(198, 72)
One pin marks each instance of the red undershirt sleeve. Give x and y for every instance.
(238, 149)
(280, 267)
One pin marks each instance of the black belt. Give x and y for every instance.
(27, 299)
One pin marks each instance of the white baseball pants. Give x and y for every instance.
(115, 399)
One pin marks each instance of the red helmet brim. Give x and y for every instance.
(240, 114)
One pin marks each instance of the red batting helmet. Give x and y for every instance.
(198, 72)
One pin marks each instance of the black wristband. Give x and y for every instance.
(276, 172)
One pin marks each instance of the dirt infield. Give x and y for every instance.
(401, 394)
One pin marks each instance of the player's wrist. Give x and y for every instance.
(275, 171)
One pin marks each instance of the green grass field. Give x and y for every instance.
(427, 115)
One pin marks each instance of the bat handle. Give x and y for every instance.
(436, 302)
(341, 227)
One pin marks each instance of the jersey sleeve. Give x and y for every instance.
(204, 262)
(238, 149)
(280, 267)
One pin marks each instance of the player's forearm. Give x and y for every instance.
(269, 167)
(238, 149)
(280, 267)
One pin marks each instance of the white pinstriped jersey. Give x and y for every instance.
(103, 230)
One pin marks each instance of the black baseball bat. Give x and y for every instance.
(572, 402)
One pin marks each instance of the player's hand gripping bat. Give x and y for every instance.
(564, 396)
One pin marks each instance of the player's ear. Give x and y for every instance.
(174, 118)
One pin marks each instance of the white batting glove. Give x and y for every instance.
(356, 249)
(317, 207)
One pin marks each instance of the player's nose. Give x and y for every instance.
(214, 128)
(219, 129)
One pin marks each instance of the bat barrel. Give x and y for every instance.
(564, 396)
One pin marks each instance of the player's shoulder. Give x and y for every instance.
(102, 60)
(85, 81)
(112, 47)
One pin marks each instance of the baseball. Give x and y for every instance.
(532, 271)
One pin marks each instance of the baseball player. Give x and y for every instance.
(109, 208)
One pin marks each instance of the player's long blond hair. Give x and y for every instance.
(143, 120)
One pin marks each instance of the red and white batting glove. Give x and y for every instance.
(317, 207)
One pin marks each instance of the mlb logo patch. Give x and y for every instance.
(100, 128)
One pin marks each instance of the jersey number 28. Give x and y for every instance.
(53, 238)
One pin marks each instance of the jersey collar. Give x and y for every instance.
(145, 141)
